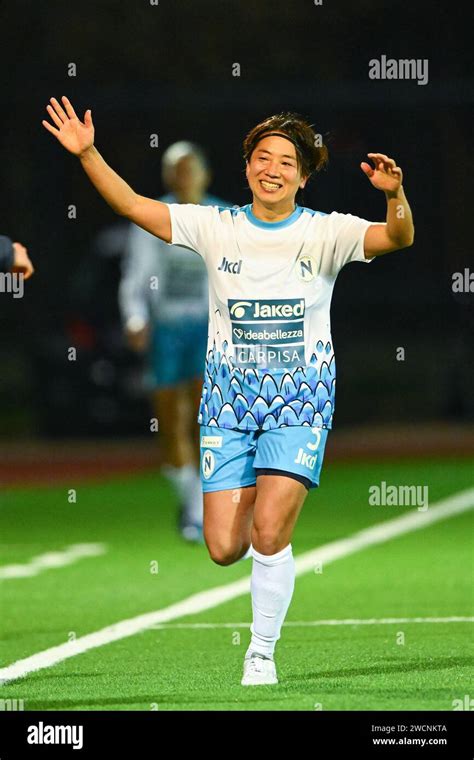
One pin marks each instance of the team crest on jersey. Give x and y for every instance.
(208, 463)
(306, 268)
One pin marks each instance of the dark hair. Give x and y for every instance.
(311, 153)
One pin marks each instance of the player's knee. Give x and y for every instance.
(222, 554)
(266, 541)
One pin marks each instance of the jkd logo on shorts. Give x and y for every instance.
(309, 460)
(208, 463)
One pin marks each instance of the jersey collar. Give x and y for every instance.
(272, 225)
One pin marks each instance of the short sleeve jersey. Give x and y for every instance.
(270, 359)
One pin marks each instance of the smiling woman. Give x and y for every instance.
(267, 400)
(281, 154)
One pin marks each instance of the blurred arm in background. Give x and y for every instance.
(14, 258)
(138, 267)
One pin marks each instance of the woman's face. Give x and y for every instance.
(272, 171)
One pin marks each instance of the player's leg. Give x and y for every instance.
(167, 394)
(168, 405)
(278, 502)
(287, 463)
(279, 499)
(228, 482)
(179, 457)
(228, 523)
(190, 350)
(171, 409)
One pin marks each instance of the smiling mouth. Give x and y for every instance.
(270, 187)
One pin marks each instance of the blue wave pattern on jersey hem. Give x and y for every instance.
(263, 399)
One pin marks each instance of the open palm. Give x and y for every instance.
(73, 134)
(386, 175)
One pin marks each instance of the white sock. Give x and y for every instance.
(272, 584)
(187, 484)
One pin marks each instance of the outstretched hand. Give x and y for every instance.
(386, 175)
(73, 134)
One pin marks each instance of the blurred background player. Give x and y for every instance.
(14, 258)
(163, 299)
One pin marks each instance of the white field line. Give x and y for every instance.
(205, 600)
(51, 559)
(311, 623)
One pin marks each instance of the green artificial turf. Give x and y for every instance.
(396, 666)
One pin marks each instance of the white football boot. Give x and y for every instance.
(258, 670)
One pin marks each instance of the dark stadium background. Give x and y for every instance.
(168, 70)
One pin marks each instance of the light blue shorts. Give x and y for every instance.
(233, 458)
(177, 352)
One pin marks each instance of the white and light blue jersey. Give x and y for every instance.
(270, 358)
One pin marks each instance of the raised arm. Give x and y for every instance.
(398, 231)
(78, 138)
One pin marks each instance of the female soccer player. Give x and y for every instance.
(268, 395)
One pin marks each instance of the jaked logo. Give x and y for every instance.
(233, 267)
(268, 333)
(274, 309)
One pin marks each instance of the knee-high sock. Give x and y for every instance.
(272, 585)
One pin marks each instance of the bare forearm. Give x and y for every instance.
(400, 227)
(112, 188)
